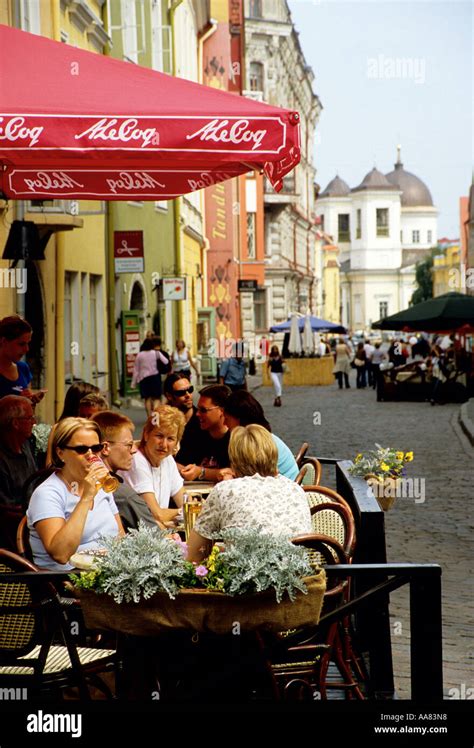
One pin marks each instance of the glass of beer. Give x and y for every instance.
(108, 483)
(191, 508)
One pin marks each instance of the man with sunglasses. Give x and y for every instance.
(203, 453)
(119, 448)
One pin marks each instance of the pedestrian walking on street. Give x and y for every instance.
(150, 363)
(378, 357)
(342, 364)
(275, 366)
(232, 371)
(360, 361)
(182, 360)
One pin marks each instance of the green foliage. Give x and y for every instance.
(424, 278)
(146, 561)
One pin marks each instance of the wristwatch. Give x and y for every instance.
(201, 474)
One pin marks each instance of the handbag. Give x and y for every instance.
(359, 362)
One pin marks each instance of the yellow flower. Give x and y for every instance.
(211, 561)
(399, 455)
(359, 457)
(384, 467)
(409, 456)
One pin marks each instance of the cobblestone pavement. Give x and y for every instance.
(439, 530)
(339, 424)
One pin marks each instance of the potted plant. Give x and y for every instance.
(144, 585)
(383, 468)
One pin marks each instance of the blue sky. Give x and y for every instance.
(389, 73)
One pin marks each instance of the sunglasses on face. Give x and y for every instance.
(83, 449)
(201, 409)
(182, 393)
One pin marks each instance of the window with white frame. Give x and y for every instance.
(251, 236)
(415, 236)
(260, 310)
(382, 222)
(383, 309)
(256, 76)
(129, 30)
(430, 237)
(161, 39)
(343, 228)
(358, 223)
(30, 16)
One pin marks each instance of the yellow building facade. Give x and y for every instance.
(446, 271)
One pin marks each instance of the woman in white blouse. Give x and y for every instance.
(154, 474)
(182, 360)
(257, 497)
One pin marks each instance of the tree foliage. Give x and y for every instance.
(424, 278)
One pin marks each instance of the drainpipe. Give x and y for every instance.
(60, 270)
(176, 202)
(110, 273)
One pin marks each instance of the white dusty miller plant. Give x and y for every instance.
(257, 561)
(41, 433)
(140, 564)
(146, 561)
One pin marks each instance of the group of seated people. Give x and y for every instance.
(225, 440)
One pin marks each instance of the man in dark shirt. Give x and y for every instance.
(17, 463)
(203, 454)
(179, 394)
(119, 448)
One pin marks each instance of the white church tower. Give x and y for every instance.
(382, 228)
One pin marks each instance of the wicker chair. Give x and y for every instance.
(23, 540)
(301, 453)
(313, 471)
(31, 619)
(299, 660)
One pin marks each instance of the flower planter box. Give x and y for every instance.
(205, 611)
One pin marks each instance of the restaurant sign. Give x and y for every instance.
(128, 252)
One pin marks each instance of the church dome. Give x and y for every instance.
(414, 191)
(374, 180)
(336, 188)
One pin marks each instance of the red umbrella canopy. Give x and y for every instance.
(78, 124)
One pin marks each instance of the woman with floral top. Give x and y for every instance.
(257, 497)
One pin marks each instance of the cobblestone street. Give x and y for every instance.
(438, 530)
(339, 424)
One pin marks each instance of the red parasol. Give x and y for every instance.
(78, 124)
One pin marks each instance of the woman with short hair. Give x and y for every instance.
(257, 497)
(69, 511)
(154, 474)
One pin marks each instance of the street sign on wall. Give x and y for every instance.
(173, 289)
(128, 252)
(130, 348)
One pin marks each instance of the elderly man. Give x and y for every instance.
(16, 457)
(17, 463)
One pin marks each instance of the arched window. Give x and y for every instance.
(256, 76)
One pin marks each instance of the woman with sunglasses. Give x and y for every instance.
(69, 511)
